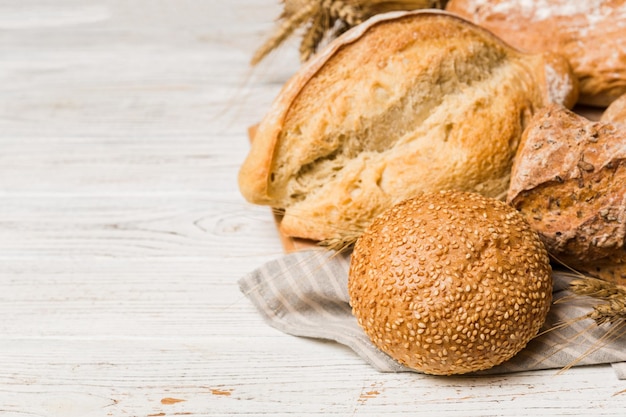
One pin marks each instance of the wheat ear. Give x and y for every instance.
(287, 26)
(613, 308)
(314, 34)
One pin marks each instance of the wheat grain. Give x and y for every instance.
(342, 243)
(597, 288)
(374, 7)
(288, 25)
(352, 15)
(613, 308)
(314, 34)
(610, 313)
(613, 312)
(329, 18)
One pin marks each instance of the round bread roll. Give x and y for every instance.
(450, 282)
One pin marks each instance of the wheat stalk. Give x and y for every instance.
(351, 14)
(329, 18)
(613, 308)
(290, 22)
(342, 243)
(314, 34)
(611, 311)
(598, 288)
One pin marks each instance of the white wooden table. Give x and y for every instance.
(123, 234)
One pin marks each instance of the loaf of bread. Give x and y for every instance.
(590, 33)
(403, 103)
(569, 181)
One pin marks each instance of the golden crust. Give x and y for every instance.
(406, 102)
(591, 34)
(254, 174)
(450, 282)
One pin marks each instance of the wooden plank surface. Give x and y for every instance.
(123, 235)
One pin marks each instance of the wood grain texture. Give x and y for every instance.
(123, 235)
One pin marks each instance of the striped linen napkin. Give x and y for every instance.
(306, 294)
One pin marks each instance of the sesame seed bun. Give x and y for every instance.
(450, 282)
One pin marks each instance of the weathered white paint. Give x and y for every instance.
(122, 233)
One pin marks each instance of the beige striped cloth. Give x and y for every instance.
(306, 294)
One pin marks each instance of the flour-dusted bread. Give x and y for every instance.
(590, 33)
(569, 181)
(406, 102)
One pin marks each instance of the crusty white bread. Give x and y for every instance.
(406, 102)
(590, 33)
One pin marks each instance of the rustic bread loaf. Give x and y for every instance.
(591, 34)
(569, 180)
(403, 103)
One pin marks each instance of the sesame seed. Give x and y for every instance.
(430, 296)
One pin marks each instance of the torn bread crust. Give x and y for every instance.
(568, 180)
